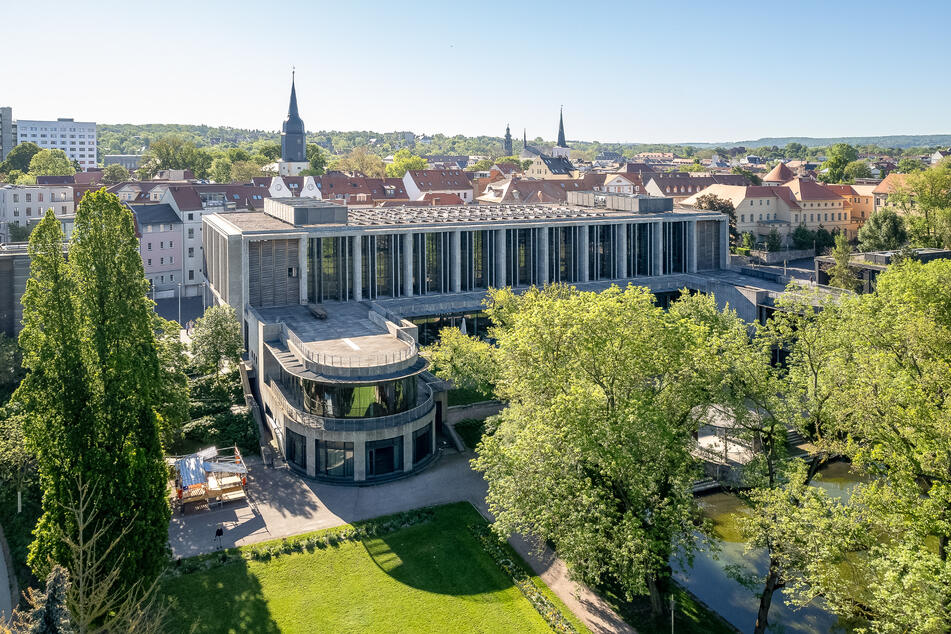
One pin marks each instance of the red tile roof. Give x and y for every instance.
(779, 174)
(186, 198)
(805, 189)
(440, 198)
(440, 180)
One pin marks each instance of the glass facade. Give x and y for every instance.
(675, 247)
(353, 401)
(295, 449)
(639, 241)
(329, 262)
(422, 443)
(562, 260)
(334, 458)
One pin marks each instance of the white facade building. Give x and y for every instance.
(76, 138)
(26, 204)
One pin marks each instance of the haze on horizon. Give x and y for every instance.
(625, 73)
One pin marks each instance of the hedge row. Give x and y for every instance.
(491, 544)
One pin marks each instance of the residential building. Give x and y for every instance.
(7, 131)
(129, 161)
(681, 185)
(76, 138)
(894, 183)
(446, 161)
(940, 155)
(326, 294)
(25, 204)
(860, 202)
(159, 230)
(544, 166)
(418, 183)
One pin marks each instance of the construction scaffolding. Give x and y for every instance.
(209, 476)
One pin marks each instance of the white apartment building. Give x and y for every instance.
(76, 138)
(26, 204)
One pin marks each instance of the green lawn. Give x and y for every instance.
(431, 577)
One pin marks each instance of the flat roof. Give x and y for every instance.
(347, 337)
(410, 216)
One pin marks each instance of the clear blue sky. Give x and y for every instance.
(625, 71)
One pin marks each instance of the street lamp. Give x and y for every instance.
(179, 304)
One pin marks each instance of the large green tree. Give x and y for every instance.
(175, 153)
(92, 388)
(19, 158)
(403, 161)
(884, 230)
(592, 452)
(317, 160)
(838, 156)
(217, 339)
(51, 163)
(114, 173)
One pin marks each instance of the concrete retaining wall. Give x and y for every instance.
(778, 257)
(479, 410)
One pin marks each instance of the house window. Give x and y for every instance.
(161, 261)
(191, 274)
(148, 262)
(191, 252)
(171, 244)
(149, 246)
(191, 233)
(191, 216)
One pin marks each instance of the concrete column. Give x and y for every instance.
(582, 249)
(245, 277)
(455, 249)
(500, 259)
(302, 269)
(310, 452)
(359, 459)
(407, 264)
(692, 246)
(658, 264)
(622, 251)
(408, 451)
(542, 256)
(357, 269)
(724, 243)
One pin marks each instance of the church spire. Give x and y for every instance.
(292, 108)
(293, 134)
(507, 143)
(561, 128)
(524, 139)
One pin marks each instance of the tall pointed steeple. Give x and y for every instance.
(524, 139)
(293, 134)
(561, 128)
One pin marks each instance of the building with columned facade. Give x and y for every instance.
(326, 293)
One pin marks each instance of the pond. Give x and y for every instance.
(709, 581)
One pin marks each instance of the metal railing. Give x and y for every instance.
(329, 423)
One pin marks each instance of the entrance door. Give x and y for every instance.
(384, 457)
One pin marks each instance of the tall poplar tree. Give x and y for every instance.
(88, 325)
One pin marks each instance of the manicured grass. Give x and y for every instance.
(430, 577)
(466, 396)
(690, 617)
(471, 431)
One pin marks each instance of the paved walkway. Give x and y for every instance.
(281, 504)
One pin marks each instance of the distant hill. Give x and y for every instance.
(895, 141)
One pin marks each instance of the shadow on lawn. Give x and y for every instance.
(438, 557)
(227, 598)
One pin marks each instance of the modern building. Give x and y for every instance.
(76, 138)
(325, 293)
(26, 204)
(7, 131)
(293, 140)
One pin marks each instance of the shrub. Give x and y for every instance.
(233, 427)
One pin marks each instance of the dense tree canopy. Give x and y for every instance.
(217, 339)
(51, 163)
(114, 173)
(359, 161)
(403, 161)
(884, 230)
(92, 388)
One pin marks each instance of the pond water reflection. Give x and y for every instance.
(708, 580)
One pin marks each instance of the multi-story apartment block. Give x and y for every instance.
(26, 204)
(159, 230)
(7, 130)
(76, 138)
(325, 293)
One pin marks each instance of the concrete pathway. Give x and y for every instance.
(282, 504)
